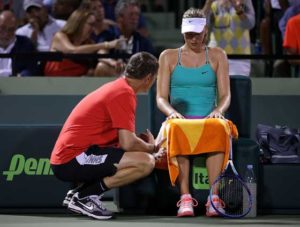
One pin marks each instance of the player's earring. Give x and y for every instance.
(147, 80)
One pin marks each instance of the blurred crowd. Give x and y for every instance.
(119, 26)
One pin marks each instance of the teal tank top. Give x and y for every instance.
(193, 90)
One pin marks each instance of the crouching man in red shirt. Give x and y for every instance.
(97, 145)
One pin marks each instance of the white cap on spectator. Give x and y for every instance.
(193, 25)
(29, 3)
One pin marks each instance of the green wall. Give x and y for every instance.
(44, 100)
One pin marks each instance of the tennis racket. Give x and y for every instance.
(233, 191)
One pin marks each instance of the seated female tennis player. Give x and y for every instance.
(196, 80)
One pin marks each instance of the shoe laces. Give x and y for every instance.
(185, 202)
(218, 203)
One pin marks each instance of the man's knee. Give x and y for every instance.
(143, 162)
(147, 164)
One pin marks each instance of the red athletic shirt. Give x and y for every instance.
(292, 35)
(96, 120)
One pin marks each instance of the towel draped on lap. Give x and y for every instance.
(194, 137)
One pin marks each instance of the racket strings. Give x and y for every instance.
(231, 191)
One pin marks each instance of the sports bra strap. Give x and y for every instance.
(206, 55)
(179, 56)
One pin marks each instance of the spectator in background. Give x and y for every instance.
(75, 37)
(291, 41)
(127, 14)
(48, 4)
(271, 35)
(15, 7)
(40, 27)
(273, 10)
(231, 21)
(11, 43)
(282, 67)
(5, 5)
(105, 30)
(205, 5)
(109, 8)
(293, 10)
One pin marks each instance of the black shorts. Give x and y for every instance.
(91, 165)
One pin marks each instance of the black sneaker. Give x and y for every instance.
(68, 197)
(90, 206)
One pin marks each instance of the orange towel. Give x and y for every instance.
(196, 136)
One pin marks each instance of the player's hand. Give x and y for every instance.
(34, 23)
(216, 114)
(161, 153)
(175, 115)
(117, 43)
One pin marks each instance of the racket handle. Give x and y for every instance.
(250, 180)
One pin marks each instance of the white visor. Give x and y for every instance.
(193, 25)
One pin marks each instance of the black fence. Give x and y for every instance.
(268, 60)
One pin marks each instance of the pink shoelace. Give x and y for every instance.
(187, 202)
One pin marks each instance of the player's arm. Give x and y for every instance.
(129, 141)
(62, 43)
(163, 83)
(223, 83)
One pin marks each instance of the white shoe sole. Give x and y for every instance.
(186, 214)
(79, 210)
(65, 203)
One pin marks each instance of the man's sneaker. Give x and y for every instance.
(186, 206)
(218, 203)
(90, 206)
(68, 197)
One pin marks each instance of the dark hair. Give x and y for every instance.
(194, 13)
(140, 65)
